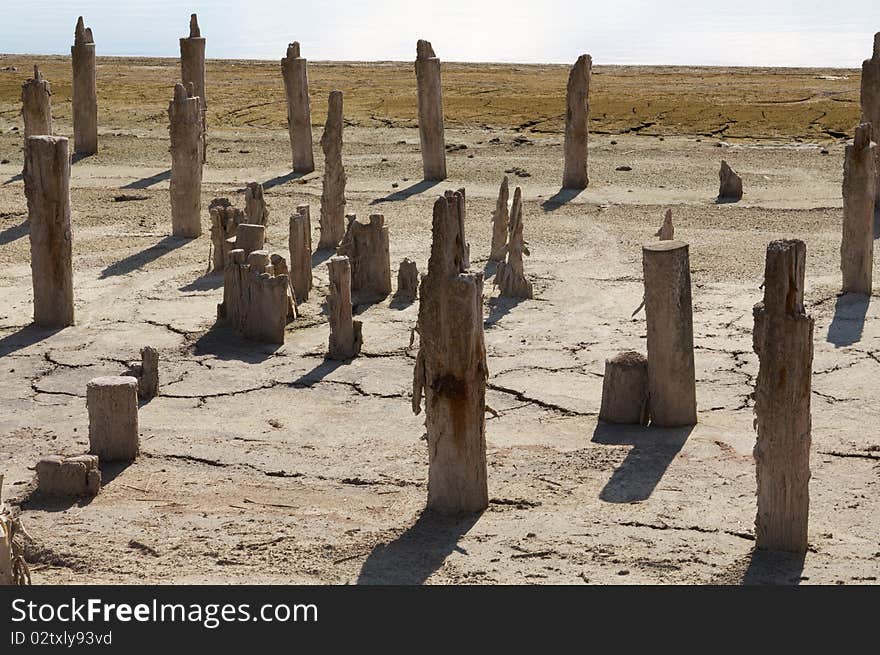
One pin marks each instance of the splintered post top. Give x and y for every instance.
(293, 50)
(194, 30)
(424, 50)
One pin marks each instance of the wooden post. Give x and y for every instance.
(332, 221)
(783, 341)
(857, 243)
(671, 376)
(430, 102)
(367, 248)
(186, 163)
(47, 187)
(300, 246)
(451, 372)
(85, 91)
(870, 104)
(577, 124)
(625, 389)
(294, 70)
(192, 72)
(36, 105)
(500, 220)
(511, 277)
(345, 333)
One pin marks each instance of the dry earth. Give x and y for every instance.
(273, 465)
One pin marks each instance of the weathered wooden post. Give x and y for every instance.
(300, 246)
(430, 101)
(332, 221)
(345, 333)
(451, 372)
(192, 71)
(783, 341)
(671, 376)
(36, 105)
(186, 163)
(294, 70)
(47, 187)
(577, 124)
(857, 243)
(500, 220)
(870, 103)
(85, 91)
(511, 277)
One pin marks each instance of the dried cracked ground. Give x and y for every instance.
(263, 464)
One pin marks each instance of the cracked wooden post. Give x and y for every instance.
(255, 205)
(783, 341)
(36, 105)
(113, 417)
(625, 389)
(458, 208)
(451, 372)
(367, 248)
(577, 124)
(47, 188)
(85, 91)
(225, 220)
(294, 70)
(186, 163)
(671, 378)
(148, 373)
(256, 295)
(300, 246)
(192, 71)
(870, 104)
(407, 280)
(430, 103)
(500, 220)
(857, 244)
(250, 238)
(332, 221)
(345, 333)
(511, 278)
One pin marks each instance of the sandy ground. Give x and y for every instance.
(264, 464)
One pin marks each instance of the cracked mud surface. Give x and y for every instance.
(263, 464)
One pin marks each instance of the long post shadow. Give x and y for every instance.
(144, 257)
(403, 194)
(223, 342)
(15, 232)
(849, 319)
(559, 199)
(418, 552)
(149, 181)
(653, 450)
(24, 337)
(278, 180)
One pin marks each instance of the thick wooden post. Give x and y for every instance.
(192, 71)
(186, 163)
(85, 91)
(332, 221)
(345, 333)
(430, 101)
(783, 341)
(294, 70)
(577, 124)
(857, 243)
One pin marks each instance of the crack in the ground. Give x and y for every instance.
(691, 528)
(522, 397)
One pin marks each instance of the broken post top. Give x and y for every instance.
(784, 277)
(424, 50)
(293, 50)
(663, 246)
(863, 135)
(583, 64)
(194, 31)
(446, 242)
(83, 34)
(38, 76)
(182, 93)
(876, 55)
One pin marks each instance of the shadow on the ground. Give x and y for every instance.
(14, 233)
(418, 552)
(206, 282)
(560, 198)
(768, 567)
(278, 180)
(408, 192)
(146, 182)
(849, 319)
(499, 307)
(322, 255)
(322, 370)
(14, 178)
(36, 500)
(24, 337)
(400, 302)
(490, 269)
(726, 201)
(139, 259)
(653, 450)
(223, 342)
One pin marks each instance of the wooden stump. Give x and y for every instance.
(625, 389)
(783, 341)
(367, 248)
(511, 277)
(451, 372)
(250, 238)
(300, 246)
(255, 204)
(500, 220)
(113, 418)
(857, 242)
(345, 333)
(36, 105)
(407, 280)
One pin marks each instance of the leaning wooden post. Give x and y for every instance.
(294, 70)
(430, 101)
(577, 124)
(783, 341)
(186, 163)
(332, 220)
(671, 378)
(36, 105)
(47, 187)
(85, 91)
(345, 333)
(857, 243)
(192, 71)
(451, 372)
